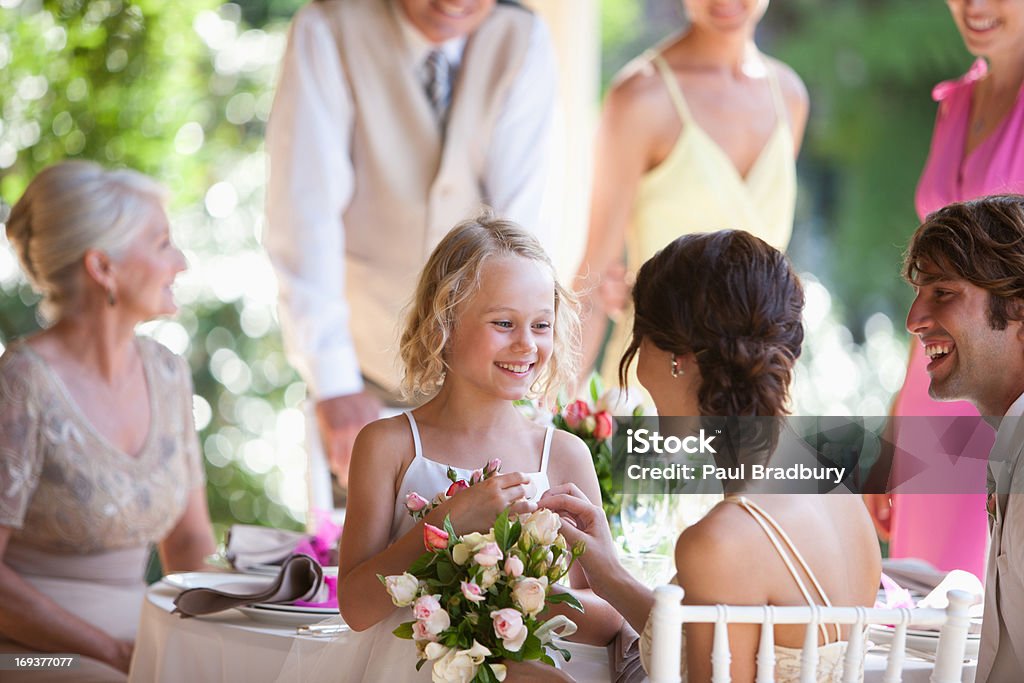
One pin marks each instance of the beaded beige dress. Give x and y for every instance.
(83, 515)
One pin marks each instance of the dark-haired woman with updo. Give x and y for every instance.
(716, 333)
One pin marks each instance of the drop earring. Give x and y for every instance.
(111, 299)
(676, 370)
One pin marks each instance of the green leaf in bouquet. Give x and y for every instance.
(404, 630)
(514, 533)
(501, 529)
(446, 572)
(453, 538)
(564, 599)
(419, 567)
(532, 648)
(595, 388)
(546, 658)
(420, 663)
(453, 476)
(450, 638)
(484, 674)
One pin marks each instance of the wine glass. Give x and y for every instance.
(645, 507)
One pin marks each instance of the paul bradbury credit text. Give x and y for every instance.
(741, 472)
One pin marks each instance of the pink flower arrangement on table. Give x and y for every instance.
(476, 598)
(592, 421)
(322, 547)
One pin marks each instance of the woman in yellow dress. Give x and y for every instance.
(700, 133)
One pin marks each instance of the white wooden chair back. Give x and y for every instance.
(669, 615)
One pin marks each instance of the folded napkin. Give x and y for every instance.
(914, 574)
(624, 657)
(249, 545)
(300, 579)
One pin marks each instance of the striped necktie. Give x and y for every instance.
(438, 83)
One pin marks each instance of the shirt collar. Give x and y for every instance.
(420, 47)
(1007, 442)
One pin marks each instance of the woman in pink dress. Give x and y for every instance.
(977, 149)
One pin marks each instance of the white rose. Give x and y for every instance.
(489, 576)
(402, 588)
(469, 544)
(459, 666)
(437, 622)
(435, 651)
(542, 526)
(529, 594)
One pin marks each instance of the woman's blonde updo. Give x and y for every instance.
(734, 302)
(69, 208)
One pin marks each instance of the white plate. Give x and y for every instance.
(298, 609)
(297, 617)
(925, 642)
(275, 569)
(243, 583)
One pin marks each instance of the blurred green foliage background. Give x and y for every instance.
(182, 91)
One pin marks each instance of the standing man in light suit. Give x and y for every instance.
(966, 263)
(393, 120)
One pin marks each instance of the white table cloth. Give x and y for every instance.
(229, 647)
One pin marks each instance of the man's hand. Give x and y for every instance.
(339, 420)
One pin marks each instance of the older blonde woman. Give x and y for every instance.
(98, 451)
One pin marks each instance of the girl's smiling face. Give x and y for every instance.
(504, 334)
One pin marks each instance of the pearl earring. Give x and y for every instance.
(676, 370)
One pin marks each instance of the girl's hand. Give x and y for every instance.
(584, 522)
(476, 508)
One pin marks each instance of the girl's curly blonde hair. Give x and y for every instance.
(450, 278)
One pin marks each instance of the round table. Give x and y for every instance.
(228, 646)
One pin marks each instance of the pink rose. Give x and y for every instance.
(514, 566)
(477, 477)
(575, 413)
(456, 487)
(508, 625)
(603, 425)
(472, 592)
(492, 466)
(425, 606)
(414, 502)
(420, 632)
(434, 538)
(488, 556)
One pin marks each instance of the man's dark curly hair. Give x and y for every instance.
(980, 241)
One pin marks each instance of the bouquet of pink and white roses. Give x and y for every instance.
(476, 598)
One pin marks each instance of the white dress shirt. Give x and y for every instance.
(312, 179)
